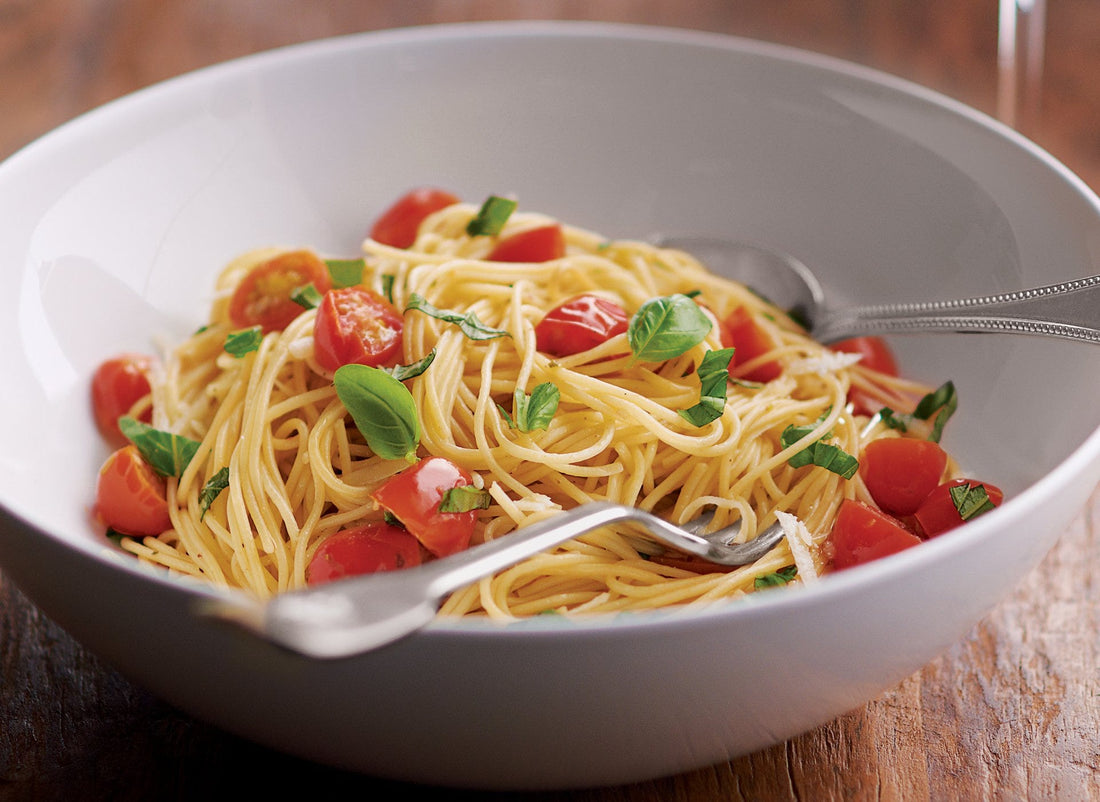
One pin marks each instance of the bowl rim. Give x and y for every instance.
(1077, 462)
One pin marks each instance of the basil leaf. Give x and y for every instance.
(942, 402)
(307, 296)
(382, 408)
(667, 327)
(533, 411)
(971, 500)
(387, 280)
(776, 578)
(819, 453)
(411, 371)
(491, 217)
(212, 489)
(239, 343)
(345, 272)
(468, 323)
(167, 453)
(714, 374)
(464, 499)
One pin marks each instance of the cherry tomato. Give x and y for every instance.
(399, 225)
(862, 534)
(900, 472)
(356, 326)
(413, 497)
(874, 350)
(263, 296)
(937, 513)
(366, 549)
(579, 324)
(130, 496)
(117, 385)
(750, 341)
(533, 245)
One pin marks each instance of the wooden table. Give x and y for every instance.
(1010, 712)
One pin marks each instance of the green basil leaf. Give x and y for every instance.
(388, 280)
(382, 408)
(971, 500)
(411, 371)
(714, 374)
(942, 403)
(664, 328)
(464, 499)
(212, 489)
(776, 578)
(468, 323)
(822, 454)
(533, 411)
(239, 343)
(167, 453)
(307, 296)
(491, 217)
(346, 272)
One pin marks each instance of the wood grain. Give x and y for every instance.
(1010, 712)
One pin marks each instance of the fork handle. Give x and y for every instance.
(1068, 310)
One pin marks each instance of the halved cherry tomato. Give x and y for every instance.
(900, 472)
(366, 549)
(874, 350)
(399, 225)
(937, 513)
(117, 385)
(539, 244)
(356, 326)
(413, 497)
(263, 296)
(750, 341)
(862, 534)
(579, 324)
(130, 496)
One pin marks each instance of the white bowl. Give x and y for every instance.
(114, 226)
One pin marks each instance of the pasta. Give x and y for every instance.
(279, 466)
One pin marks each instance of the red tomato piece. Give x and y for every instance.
(366, 549)
(862, 534)
(874, 350)
(131, 497)
(539, 244)
(263, 296)
(900, 472)
(117, 385)
(579, 324)
(937, 513)
(356, 326)
(413, 497)
(750, 341)
(399, 225)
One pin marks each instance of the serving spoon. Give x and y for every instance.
(356, 615)
(1070, 310)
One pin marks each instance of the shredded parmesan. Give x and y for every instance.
(800, 540)
(829, 362)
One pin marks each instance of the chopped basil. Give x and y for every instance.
(533, 411)
(468, 323)
(307, 296)
(382, 408)
(776, 578)
(714, 374)
(403, 372)
(212, 489)
(819, 453)
(239, 343)
(387, 280)
(464, 499)
(168, 454)
(941, 403)
(345, 272)
(491, 217)
(666, 327)
(971, 500)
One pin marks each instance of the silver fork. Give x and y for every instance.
(357, 615)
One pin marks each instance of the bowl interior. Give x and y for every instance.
(116, 225)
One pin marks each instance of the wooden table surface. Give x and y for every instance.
(1010, 712)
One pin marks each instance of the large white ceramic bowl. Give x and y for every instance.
(113, 227)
